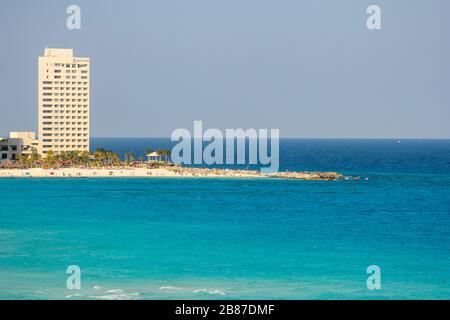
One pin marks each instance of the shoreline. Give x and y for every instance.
(163, 172)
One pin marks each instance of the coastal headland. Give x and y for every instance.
(169, 171)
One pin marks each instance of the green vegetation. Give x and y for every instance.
(98, 158)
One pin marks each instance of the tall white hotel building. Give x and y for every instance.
(63, 102)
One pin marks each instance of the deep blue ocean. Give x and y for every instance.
(193, 238)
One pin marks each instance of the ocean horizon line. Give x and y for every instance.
(288, 138)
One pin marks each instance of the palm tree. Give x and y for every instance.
(62, 156)
(127, 155)
(99, 155)
(112, 158)
(166, 153)
(50, 158)
(72, 156)
(85, 157)
(34, 157)
(115, 158)
(22, 159)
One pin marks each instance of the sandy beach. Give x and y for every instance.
(126, 172)
(159, 172)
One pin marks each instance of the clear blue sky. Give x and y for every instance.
(310, 68)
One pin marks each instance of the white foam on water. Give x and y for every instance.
(117, 294)
(212, 292)
(114, 291)
(197, 291)
(171, 288)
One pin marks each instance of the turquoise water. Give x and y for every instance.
(238, 238)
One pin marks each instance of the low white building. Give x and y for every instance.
(18, 143)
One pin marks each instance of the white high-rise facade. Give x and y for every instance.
(63, 102)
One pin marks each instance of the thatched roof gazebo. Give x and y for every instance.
(154, 156)
(6, 164)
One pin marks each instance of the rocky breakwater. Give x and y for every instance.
(214, 172)
(308, 175)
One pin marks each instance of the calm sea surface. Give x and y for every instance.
(171, 238)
